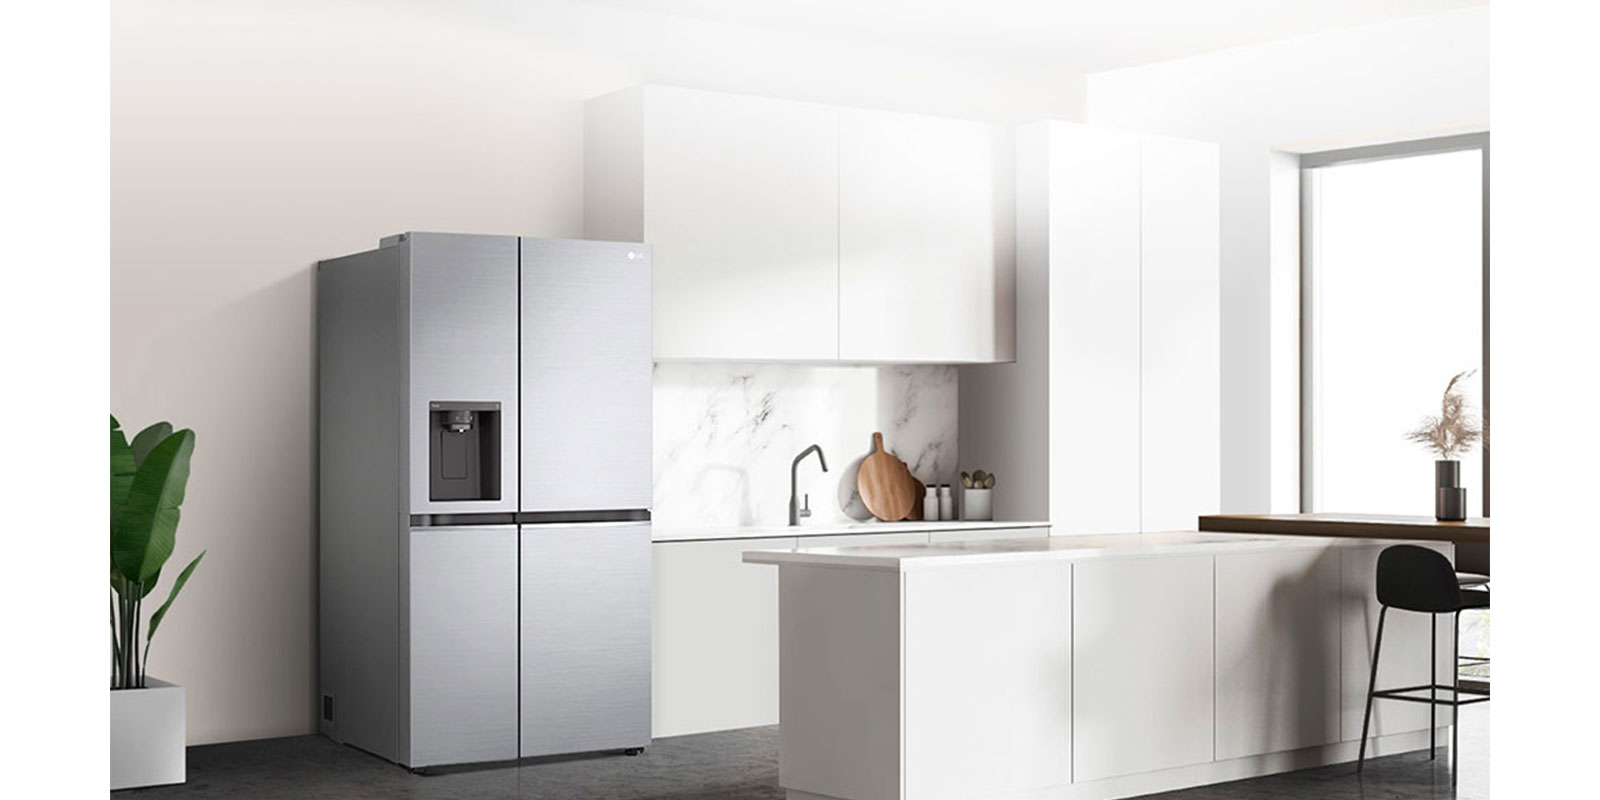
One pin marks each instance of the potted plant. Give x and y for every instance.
(1450, 434)
(977, 490)
(148, 478)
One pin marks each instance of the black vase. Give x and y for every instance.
(1449, 498)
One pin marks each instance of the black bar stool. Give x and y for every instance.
(1412, 578)
(1473, 581)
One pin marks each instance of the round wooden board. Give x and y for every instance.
(916, 513)
(885, 484)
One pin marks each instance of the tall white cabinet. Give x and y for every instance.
(1109, 420)
(791, 231)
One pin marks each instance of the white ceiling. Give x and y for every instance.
(1065, 34)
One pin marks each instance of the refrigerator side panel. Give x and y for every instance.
(361, 456)
(463, 645)
(463, 341)
(586, 373)
(585, 637)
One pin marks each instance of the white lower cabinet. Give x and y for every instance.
(1278, 630)
(988, 679)
(1403, 660)
(715, 638)
(1142, 665)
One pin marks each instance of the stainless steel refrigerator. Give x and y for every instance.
(484, 495)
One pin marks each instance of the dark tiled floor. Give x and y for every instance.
(721, 766)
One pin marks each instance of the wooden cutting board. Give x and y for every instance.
(885, 484)
(917, 493)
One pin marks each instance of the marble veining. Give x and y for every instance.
(726, 433)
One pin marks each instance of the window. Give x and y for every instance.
(1393, 304)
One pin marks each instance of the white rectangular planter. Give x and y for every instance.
(147, 735)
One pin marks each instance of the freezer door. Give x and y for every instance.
(463, 641)
(585, 637)
(586, 369)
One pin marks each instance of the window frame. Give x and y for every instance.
(1309, 163)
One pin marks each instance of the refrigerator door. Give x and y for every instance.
(463, 344)
(586, 370)
(463, 641)
(585, 637)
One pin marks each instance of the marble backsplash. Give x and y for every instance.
(725, 435)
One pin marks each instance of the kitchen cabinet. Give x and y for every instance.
(1180, 364)
(463, 639)
(1278, 631)
(988, 677)
(1142, 665)
(1115, 666)
(715, 639)
(738, 197)
(789, 231)
(917, 277)
(1110, 419)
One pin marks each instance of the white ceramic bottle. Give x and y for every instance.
(930, 503)
(947, 503)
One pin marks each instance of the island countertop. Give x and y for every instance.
(1474, 530)
(902, 558)
(1084, 667)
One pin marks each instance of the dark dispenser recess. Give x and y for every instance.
(463, 451)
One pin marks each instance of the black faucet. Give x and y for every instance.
(795, 511)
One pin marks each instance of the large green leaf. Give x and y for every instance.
(122, 468)
(147, 440)
(147, 527)
(177, 586)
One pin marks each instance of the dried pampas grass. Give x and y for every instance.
(1454, 431)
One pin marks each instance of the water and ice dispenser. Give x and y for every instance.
(463, 451)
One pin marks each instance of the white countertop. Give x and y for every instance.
(675, 534)
(900, 558)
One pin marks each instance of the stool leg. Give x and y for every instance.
(1433, 685)
(1455, 711)
(1372, 686)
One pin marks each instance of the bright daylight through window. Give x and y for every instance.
(1394, 309)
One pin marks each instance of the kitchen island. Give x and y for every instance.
(1096, 666)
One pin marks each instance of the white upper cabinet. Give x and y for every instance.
(917, 277)
(739, 198)
(788, 231)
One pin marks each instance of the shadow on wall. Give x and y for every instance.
(242, 375)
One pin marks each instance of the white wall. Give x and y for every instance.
(1421, 77)
(252, 137)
